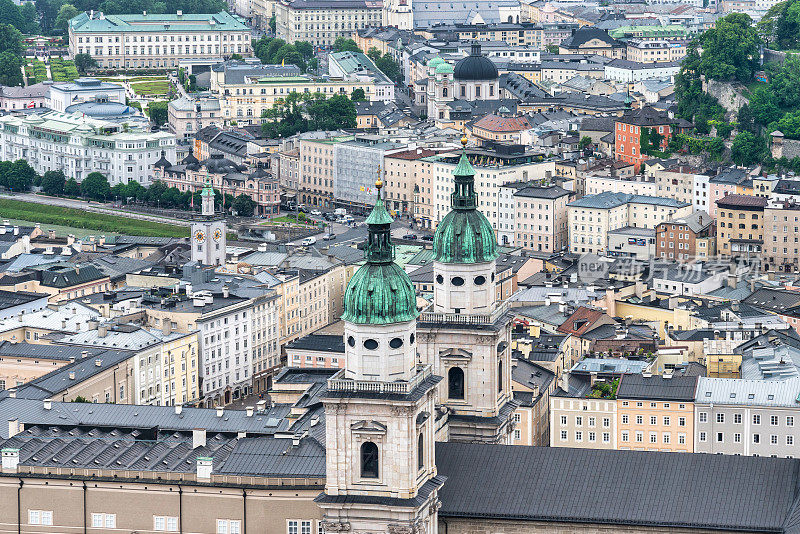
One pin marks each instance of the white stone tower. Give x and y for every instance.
(466, 335)
(380, 409)
(208, 234)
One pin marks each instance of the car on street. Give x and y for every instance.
(316, 213)
(329, 237)
(410, 237)
(308, 241)
(427, 238)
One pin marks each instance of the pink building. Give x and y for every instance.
(729, 182)
(321, 351)
(226, 176)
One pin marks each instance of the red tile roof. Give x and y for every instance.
(496, 123)
(580, 321)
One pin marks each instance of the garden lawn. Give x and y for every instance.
(44, 214)
(151, 88)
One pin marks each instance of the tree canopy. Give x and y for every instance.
(730, 49)
(343, 44)
(10, 69)
(95, 186)
(158, 112)
(272, 51)
(301, 112)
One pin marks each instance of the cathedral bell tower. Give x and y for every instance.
(208, 238)
(380, 409)
(465, 335)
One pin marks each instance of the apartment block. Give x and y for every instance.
(655, 413)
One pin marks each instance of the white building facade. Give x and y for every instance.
(80, 145)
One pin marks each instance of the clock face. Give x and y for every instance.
(217, 234)
(200, 236)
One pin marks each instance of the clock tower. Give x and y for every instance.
(208, 232)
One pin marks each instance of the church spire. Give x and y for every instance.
(379, 247)
(464, 196)
(207, 196)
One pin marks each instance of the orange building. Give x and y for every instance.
(628, 131)
(656, 413)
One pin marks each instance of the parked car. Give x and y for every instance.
(316, 213)
(427, 238)
(308, 241)
(410, 237)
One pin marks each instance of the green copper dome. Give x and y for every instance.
(464, 235)
(380, 292)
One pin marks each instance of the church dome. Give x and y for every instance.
(435, 62)
(380, 292)
(444, 68)
(475, 67)
(464, 235)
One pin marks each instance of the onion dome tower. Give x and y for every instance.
(380, 409)
(465, 335)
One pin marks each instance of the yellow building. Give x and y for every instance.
(656, 413)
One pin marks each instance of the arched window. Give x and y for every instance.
(369, 460)
(444, 92)
(420, 452)
(500, 376)
(455, 383)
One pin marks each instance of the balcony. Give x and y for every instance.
(339, 384)
(483, 319)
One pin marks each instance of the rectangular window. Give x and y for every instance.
(97, 520)
(563, 420)
(579, 436)
(606, 437)
(737, 438)
(756, 438)
(720, 437)
(702, 436)
(639, 437)
(682, 439)
(790, 440)
(563, 435)
(790, 421)
(720, 418)
(639, 420)
(737, 418)
(625, 436)
(703, 417)
(592, 437)
(653, 420)
(666, 421)
(607, 422)
(773, 420)
(756, 419)
(625, 419)
(653, 437)
(159, 523)
(293, 527)
(681, 421)
(666, 437)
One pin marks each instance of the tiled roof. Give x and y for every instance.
(741, 201)
(549, 484)
(677, 388)
(497, 123)
(580, 321)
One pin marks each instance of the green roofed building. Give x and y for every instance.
(155, 41)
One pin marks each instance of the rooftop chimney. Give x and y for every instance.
(204, 467)
(178, 409)
(10, 460)
(14, 427)
(84, 354)
(198, 437)
(102, 330)
(225, 291)
(72, 375)
(98, 362)
(250, 410)
(261, 405)
(220, 411)
(48, 404)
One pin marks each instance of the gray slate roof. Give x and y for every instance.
(677, 388)
(557, 484)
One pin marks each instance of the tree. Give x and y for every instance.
(72, 188)
(304, 48)
(65, 13)
(10, 39)
(84, 62)
(343, 44)
(53, 182)
(95, 186)
(313, 64)
(374, 54)
(192, 83)
(358, 95)
(17, 175)
(273, 24)
(748, 149)
(158, 112)
(244, 206)
(236, 57)
(730, 49)
(10, 69)
(389, 67)
(30, 18)
(552, 48)
(584, 142)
